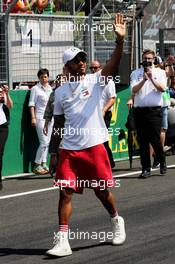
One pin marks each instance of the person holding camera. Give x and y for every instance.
(5, 104)
(148, 84)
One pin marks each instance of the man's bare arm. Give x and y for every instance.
(57, 132)
(120, 31)
(109, 104)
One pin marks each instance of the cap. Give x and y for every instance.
(71, 53)
(159, 60)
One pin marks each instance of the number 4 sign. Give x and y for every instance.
(30, 33)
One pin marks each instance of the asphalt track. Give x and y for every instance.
(28, 219)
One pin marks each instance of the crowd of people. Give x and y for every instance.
(32, 6)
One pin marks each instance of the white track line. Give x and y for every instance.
(138, 172)
(26, 193)
(55, 188)
(18, 175)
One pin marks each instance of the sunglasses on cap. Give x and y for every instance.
(79, 59)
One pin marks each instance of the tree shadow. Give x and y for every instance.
(34, 177)
(125, 169)
(75, 249)
(42, 251)
(21, 251)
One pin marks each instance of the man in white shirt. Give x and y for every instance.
(148, 84)
(83, 159)
(107, 101)
(5, 104)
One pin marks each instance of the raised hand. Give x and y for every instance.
(5, 89)
(119, 26)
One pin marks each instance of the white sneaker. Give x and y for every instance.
(38, 169)
(62, 247)
(166, 148)
(119, 234)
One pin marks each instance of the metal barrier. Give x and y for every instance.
(35, 41)
(166, 42)
(38, 41)
(3, 50)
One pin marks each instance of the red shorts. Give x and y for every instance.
(89, 168)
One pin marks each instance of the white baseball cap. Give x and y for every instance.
(159, 59)
(71, 53)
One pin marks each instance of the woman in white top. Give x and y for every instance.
(38, 100)
(5, 104)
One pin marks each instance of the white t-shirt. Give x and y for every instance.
(39, 97)
(3, 118)
(148, 95)
(108, 93)
(80, 103)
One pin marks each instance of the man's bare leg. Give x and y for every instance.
(107, 199)
(118, 224)
(62, 247)
(65, 206)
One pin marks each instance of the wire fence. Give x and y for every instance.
(159, 27)
(31, 42)
(3, 50)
